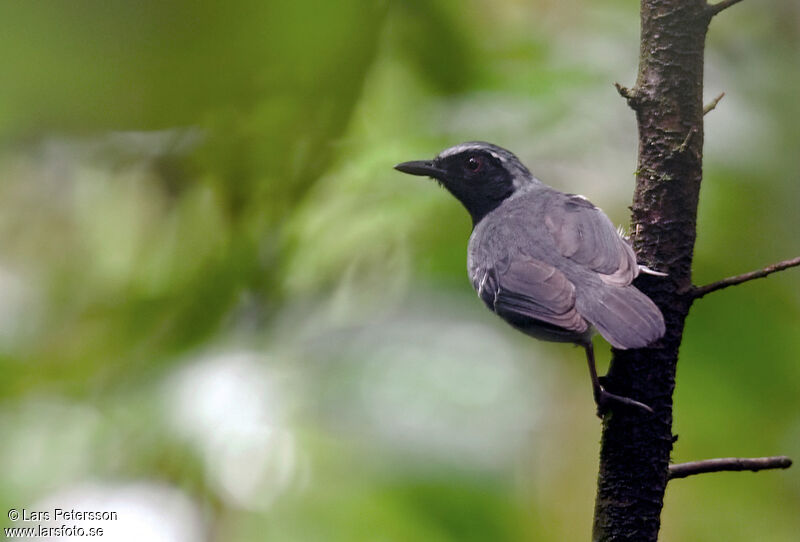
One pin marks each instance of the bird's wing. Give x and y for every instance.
(585, 235)
(524, 287)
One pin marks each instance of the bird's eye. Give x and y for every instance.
(474, 163)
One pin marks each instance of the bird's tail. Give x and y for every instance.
(624, 316)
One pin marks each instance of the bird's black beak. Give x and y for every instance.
(420, 167)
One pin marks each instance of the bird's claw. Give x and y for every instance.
(605, 399)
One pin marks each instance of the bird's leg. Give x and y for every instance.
(603, 398)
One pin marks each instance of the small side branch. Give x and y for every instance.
(710, 107)
(699, 291)
(687, 140)
(627, 93)
(682, 470)
(720, 6)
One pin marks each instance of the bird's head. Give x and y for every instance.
(480, 175)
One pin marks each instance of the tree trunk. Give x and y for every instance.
(667, 98)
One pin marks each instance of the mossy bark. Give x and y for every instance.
(667, 99)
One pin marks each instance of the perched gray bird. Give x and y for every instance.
(550, 264)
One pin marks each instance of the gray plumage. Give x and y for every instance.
(556, 259)
(550, 264)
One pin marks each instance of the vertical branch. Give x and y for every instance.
(667, 99)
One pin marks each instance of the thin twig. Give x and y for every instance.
(682, 470)
(687, 140)
(699, 291)
(710, 107)
(625, 92)
(719, 6)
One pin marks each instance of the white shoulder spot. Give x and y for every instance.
(482, 284)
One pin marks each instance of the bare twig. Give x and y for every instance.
(625, 92)
(710, 107)
(682, 470)
(719, 6)
(687, 140)
(699, 291)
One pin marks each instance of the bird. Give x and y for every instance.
(551, 264)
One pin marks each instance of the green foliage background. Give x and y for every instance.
(214, 286)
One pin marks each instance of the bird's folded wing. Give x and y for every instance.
(586, 236)
(528, 288)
